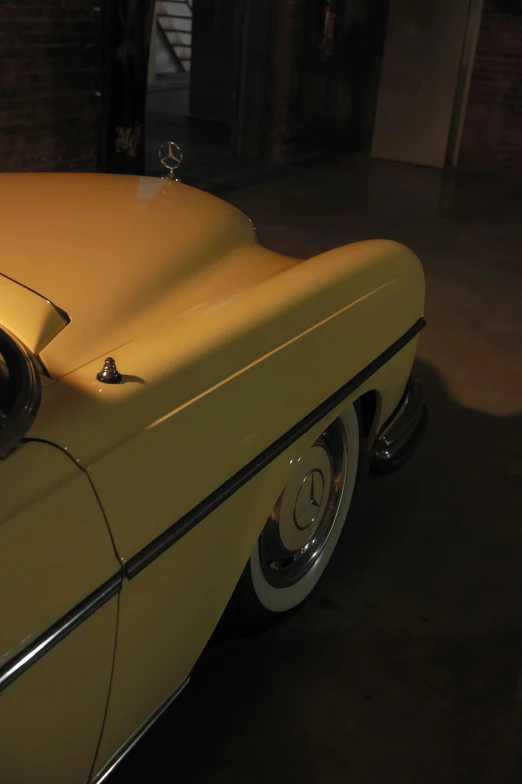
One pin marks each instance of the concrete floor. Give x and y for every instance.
(407, 665)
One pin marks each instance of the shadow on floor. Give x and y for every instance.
(406, 665)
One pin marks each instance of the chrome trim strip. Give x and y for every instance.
(126, 748)
(28, 656)
(65, 316)
(185, 524)
(399, 431)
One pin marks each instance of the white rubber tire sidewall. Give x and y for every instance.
(279, 600)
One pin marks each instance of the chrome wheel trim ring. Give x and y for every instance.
(278, 595)
(316, 507)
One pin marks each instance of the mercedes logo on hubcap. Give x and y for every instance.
(309, 499)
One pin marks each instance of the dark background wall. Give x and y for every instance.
(492, 137)
(214, 55)
(49, 76)
(50, 72)
(319, 102)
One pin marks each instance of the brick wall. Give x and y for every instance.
(492, 136)
(49, 75)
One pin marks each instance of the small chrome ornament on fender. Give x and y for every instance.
(109, 374)
(171, 158)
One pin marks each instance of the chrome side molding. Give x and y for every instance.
(181, 527)
(115, 760)
(39, 647)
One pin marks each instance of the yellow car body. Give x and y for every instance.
(128, 511)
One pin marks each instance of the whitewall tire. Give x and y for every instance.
(305, 525)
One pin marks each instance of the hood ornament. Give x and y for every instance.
(171, 158)
(109, 374)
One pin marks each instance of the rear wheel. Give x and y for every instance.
(305, 525)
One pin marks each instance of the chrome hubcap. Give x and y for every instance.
(309, 499)
(299, 527)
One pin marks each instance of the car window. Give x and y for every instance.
(19, 392)
(4, 384)
(8, 386)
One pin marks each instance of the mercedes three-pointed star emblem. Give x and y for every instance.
(309, 499)
(171, 157)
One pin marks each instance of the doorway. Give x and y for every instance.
(194, 66)
(427, 66)
(332, 75)
(361, 47)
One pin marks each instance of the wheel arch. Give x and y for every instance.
(370, 404)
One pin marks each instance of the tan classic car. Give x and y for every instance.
(185, 418)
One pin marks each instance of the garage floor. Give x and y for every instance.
(407, 665)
